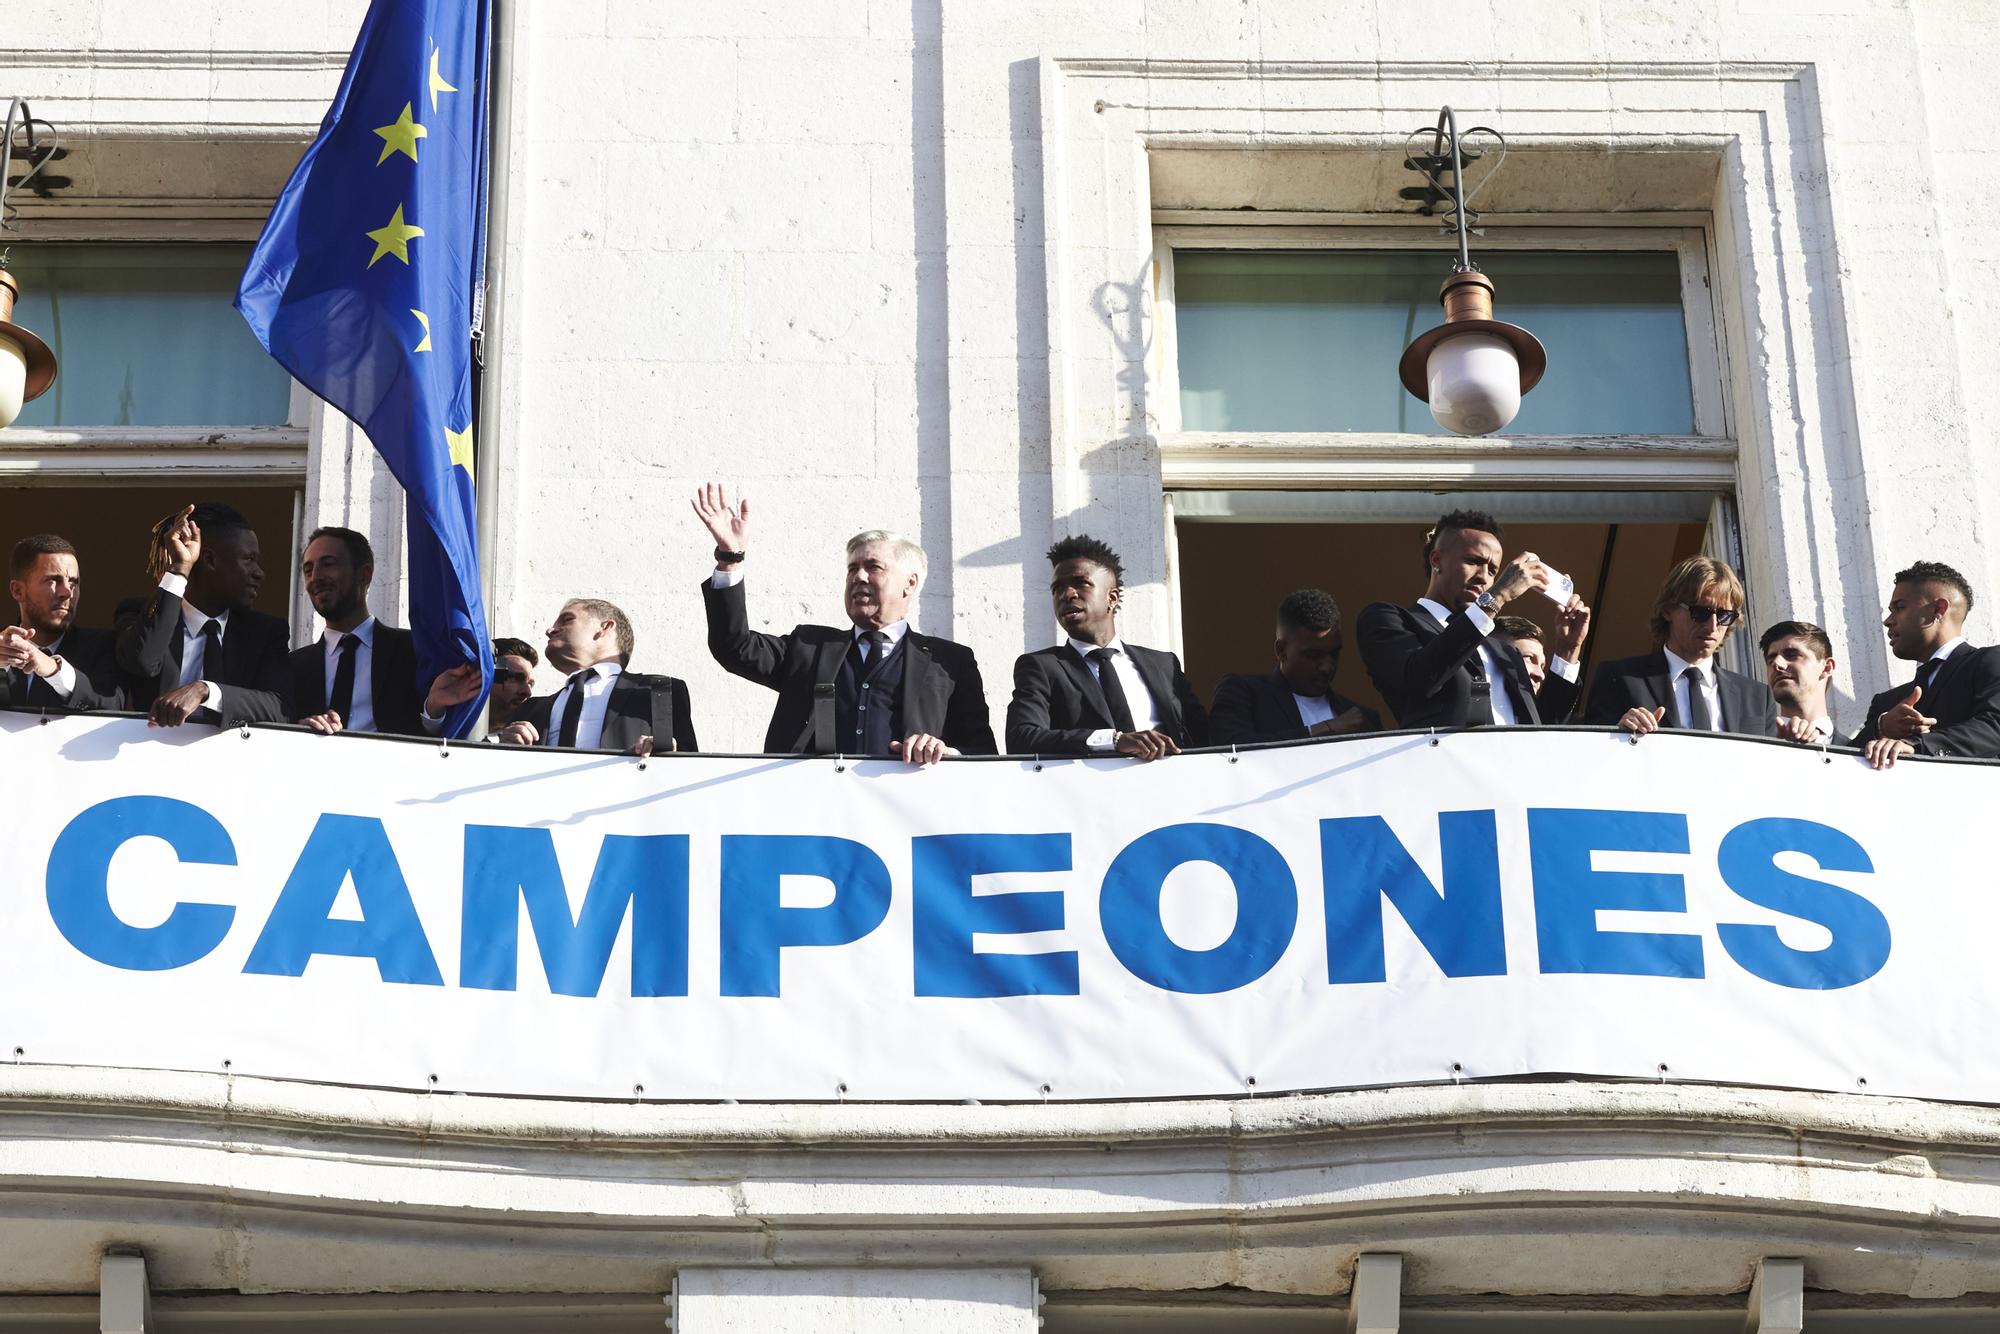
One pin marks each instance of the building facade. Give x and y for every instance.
(991, 274)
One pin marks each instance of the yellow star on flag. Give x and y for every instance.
(393, 238)
(461, 447)
(438, 85)
(401, 137)
(424, 320)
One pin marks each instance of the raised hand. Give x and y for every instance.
(18, 649)
(453, 687)
(728, 524)
(1524, 573)
(1904, 720)
(1573, 627)
(180, 542)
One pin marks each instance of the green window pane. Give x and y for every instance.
(1274, 340)
(144, 335)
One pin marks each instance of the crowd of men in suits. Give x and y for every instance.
(197, 649)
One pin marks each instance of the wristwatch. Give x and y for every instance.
(728, 557)
(1487, 603)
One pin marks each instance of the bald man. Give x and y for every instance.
(1953, 705)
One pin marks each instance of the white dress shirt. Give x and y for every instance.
(1503, 703)
(194, 647)
(596, 686)
(63, 679)
(361, 707)
(1945, 650)
(597, 689)
(1313, 709)
(895, 633)
(1145, 715)
(1711, 690)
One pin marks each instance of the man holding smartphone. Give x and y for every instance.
(1438, 662)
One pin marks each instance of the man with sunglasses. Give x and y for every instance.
(514, 663)
(1680, 684)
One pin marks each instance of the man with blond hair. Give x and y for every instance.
(604, 705)
(872, 687)
(1680, 684)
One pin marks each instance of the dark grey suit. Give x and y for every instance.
(941, 693)
(255, 671)
(1964, 697)
(1057, 702)
(640, 706)
(1425, 669)
(1643, 683)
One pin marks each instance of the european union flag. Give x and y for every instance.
(365, 286)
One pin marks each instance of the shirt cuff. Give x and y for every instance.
(726, 578)
(1477, 615)
(1104, 738)
(63, 679)
(1563, 667)
(432, 726)
(176, 584)
(213, 704)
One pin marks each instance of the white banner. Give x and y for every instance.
(1372, 911)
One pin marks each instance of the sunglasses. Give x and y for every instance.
(1720, 615)
(504, 676)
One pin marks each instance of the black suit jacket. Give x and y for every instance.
(1262, 708)
(1964, 697)
(942, 695)
(256, 670)
(1642, 683)
(1057, 702)
(94, 655)
(640, 705)
(392, 681)
(1419, 665)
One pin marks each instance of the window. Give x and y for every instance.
(1289, 447)
(1307, 340)
(144, 335)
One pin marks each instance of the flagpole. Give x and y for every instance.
(493, 368)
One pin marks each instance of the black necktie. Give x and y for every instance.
(572, 710)
(1699, 718)
(878, 649)
(1479, 707)
(1114, 690)
(341, 701)
(1927, 674)
(211, 651)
